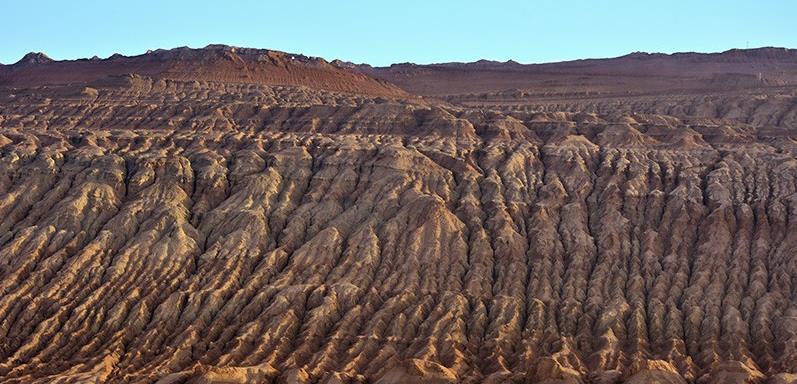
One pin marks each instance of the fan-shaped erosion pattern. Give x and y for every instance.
(163, 230)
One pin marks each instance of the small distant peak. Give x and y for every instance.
(342, 64)
(220, 47)
(761, 53)
(348, 64)
(482, 64)
(224, 48)
(642, 55)
(160, 52)
(404, 65)
(487, 64)
(34, 58)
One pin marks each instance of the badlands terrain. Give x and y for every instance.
(230, 215)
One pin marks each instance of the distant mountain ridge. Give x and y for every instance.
(220, 63)
(636, 73)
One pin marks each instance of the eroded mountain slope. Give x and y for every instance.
(633, 74)
(754, 86)
(217, 63)
(193, 232)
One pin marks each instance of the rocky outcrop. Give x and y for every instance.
(33, 58)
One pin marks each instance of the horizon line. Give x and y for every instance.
(221, 45)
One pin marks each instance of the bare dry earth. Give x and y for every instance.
(156, 229)
(217, 63)
(755, 86)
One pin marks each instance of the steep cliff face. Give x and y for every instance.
(167, 231)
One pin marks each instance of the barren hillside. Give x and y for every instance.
(184, 223)
(633, 74)
(217, 63)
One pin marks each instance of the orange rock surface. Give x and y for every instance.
(230, 215)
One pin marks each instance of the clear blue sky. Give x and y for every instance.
(384, 32)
